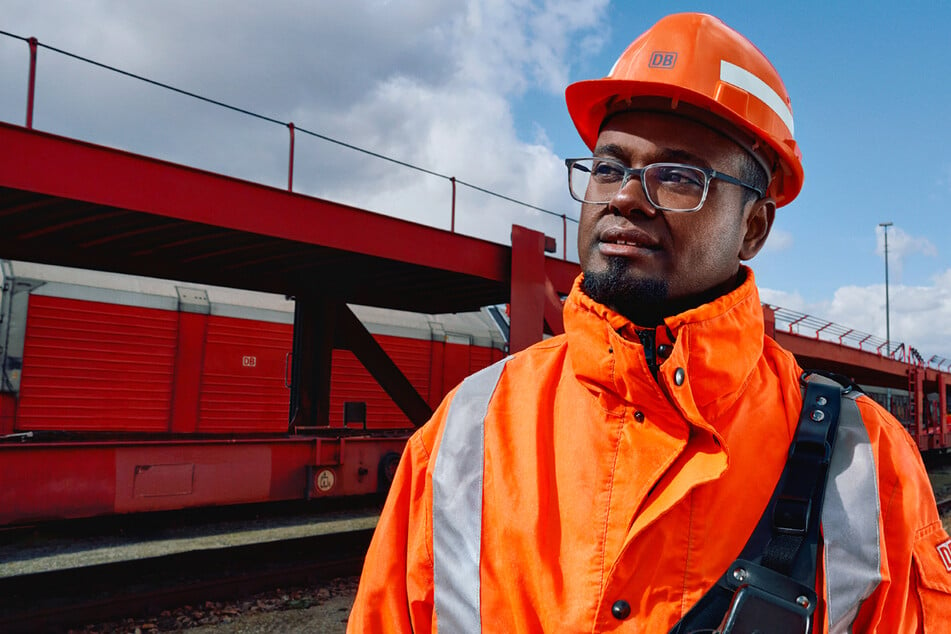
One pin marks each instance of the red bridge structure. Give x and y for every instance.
(914, 389)
(72, 203)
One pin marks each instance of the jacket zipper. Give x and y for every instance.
(648, 339)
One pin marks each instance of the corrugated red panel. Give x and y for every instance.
(351, 381)
(458, 360)
(480, 357)
(242, 383)
(96, 366)
(8, 411)
(413, 356)
(93, 366)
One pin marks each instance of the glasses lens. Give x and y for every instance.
(675, 187)
(595, 180)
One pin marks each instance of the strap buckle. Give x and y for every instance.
(791, 516)
(766, 601)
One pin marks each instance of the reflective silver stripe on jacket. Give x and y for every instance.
(850, 512)
(457, 504)
(850, 521)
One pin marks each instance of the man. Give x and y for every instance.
(606, 479)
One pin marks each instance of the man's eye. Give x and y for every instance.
(681, 176)
(606, 171)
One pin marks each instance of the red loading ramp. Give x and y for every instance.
(77, 204)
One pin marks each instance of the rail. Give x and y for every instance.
(61, 575)
(939, 362)
(292, 129)
(805, 325)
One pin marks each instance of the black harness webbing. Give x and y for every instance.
(771, 585)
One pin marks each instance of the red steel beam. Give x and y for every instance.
(917, 385)
(846, 360)
(57, 166)
(943, 410)
(538, 282)
(553, 310)
(528, 288)
(353, 335)
(562, 274)
(31, 83)
(769, 321)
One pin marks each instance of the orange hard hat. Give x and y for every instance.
(696, 59)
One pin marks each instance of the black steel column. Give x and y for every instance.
(314, 326)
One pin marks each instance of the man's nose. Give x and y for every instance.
(631, 197)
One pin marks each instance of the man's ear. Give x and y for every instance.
(758, 222)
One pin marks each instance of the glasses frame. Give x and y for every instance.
(631, 172)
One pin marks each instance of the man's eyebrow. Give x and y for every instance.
(663, 155)
(609, 149)
(682, 156)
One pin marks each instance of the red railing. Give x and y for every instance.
(34, 44)
(820, 329)
(939, 362)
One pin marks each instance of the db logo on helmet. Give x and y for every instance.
(662, 59)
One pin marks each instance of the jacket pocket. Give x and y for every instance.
(932, 555)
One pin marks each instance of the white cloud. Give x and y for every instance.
(779, 240)
(920, 315)
(425, 82)
(901, 245)
(792, 301)
(460, 124)
(511, 44)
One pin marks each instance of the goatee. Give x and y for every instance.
(643, 301)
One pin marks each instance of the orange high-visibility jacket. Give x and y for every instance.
(568, 490)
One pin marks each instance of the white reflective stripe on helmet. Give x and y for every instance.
(850, 521)
(457, 504)
(745, 80)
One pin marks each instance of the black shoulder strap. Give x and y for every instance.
(786, 539)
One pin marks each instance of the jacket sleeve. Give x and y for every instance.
(396, 588)
(915, 592)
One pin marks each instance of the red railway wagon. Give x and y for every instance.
(125, 394)
(930, 427)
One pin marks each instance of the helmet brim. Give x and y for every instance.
(591, 101)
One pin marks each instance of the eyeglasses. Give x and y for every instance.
(668, 186)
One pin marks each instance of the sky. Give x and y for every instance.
(475, 89)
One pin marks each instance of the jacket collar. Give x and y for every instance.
(716, 345)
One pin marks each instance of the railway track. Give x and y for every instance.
(54, 601)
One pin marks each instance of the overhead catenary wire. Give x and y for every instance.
(317, 135)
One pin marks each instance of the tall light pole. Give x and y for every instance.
(888, 330)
